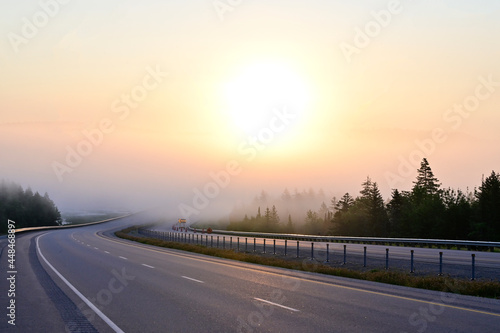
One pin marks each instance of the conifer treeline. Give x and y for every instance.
(426, 211)
(26, 208)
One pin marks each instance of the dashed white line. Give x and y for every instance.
(185, 277)
(96, 248)
(122, 257)
(276, 304)
(106, 252)
(78, 293)
(147, 266)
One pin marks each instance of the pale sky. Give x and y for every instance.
(127, 103)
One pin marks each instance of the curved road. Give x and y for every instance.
(86, 280)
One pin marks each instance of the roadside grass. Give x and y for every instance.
(481, 288)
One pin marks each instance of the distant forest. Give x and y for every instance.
(26, 208)
(426, 211)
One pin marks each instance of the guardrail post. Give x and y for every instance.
(254, 244)
(364, 256)
(285, 246)
(473, 267)
(264, 245)
(217, 241)
(345, 254)
(238, 244)
(440, 263)
(386, 259)
(274, 246)
(412, 270)
(327, 252)
(211, 241)
(224, 242)
(246, 243)
(312, 250)
(230, 243)
(297, 249)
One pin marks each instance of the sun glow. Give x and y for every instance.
(258, 89)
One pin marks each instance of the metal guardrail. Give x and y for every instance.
(248, 244)
(67, 226)
(483, 245)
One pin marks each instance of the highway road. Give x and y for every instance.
(86, 280)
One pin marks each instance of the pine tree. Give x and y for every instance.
(487, 226)
(344, 203)
(289, 225)
(396, 210)
(426, 181)
(275, 219)
(427, 212)
(286, 196)
(267, 216)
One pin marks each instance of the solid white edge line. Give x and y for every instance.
(79, 294)
(122, 257)
(147, 266)
(276, 304)
(186, 277)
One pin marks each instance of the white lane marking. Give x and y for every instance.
(106, 252)
(147, 266)
(276, 304)
(79, 294)
(185, 277)
(88, 244)
(122, 257)
(96, 248)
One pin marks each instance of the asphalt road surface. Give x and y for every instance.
(86, 280)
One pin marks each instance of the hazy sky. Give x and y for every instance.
(121, 103)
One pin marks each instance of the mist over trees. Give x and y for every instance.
(293, 212)
(26, 208)
(425, 211)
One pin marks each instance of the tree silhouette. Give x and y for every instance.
(26, 208)
(487, 226)
(425, 179)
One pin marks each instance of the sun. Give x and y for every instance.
(255, 91)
